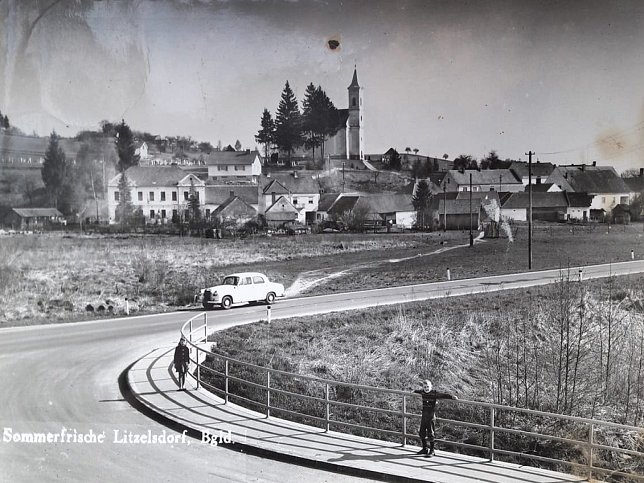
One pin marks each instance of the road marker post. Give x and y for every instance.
(127, 306)
(449, 276)
(268, 314)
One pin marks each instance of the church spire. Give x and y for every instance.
(354, 82)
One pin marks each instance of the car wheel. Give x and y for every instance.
(270, 298)
(226, 302)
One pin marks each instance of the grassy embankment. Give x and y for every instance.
(53, 277)
(568, 348)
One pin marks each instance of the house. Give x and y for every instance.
(601, 182)
(324, 205)
(540, 171)
(344, 205)
(456, 214)
(33, 218)
(234, 209)
(234, 165)
(389, 209)
(485, 180)
(635, 184)
(162, 193)
(303, 192)
(217, 194)
(549, 206)
(142, 151)
(283, 212)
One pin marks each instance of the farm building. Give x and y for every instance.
(33, 218)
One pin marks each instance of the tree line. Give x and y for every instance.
(4, 121)
(291, 128)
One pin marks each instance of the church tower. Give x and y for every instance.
(355, 124)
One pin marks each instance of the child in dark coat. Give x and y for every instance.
(428, 419)
(181, 362)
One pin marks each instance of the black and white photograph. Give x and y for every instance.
(322, 240)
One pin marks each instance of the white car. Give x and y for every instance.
(241, 287)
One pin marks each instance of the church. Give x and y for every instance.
(348, 142)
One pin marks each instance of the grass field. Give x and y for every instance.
(53, 277)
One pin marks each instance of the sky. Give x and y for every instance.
(559, 78)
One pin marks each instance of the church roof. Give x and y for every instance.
(354, 81)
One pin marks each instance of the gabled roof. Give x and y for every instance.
(344, 204)
(635, 183)
(521, 200)
(295, 184)
(152, 176)
(37, 212)
(218, 194)
(593, 179)
(234, 202)
(387, 203)
(281, 210)
(540, 188)
(520, 168)
(485, 176)
(458, 207)
(232, 157)
(578, 200)
(327, 200)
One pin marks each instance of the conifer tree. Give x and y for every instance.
(125, 147)
(266, 135)
(288, 123)
(54, 170)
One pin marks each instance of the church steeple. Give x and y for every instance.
(355, 124)
(354, 82)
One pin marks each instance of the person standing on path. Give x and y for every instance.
(181, 361)
(428, 419)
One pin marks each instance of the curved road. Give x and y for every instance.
(67, 375)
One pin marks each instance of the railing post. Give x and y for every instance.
(268, 393)
(190, 335)
(591, 442)
(327, 411)
(492, 423)
(226, 381)
(205, 327)
(404, 419)
(198, 369)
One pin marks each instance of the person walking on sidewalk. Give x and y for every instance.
(428, 419)
(181, 361)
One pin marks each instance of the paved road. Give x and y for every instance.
(66, 375)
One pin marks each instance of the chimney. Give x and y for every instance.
(232, 193)
(594, 163)
(248, 151)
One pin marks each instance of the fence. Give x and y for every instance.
(494, 421)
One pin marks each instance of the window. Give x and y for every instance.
(116, 196)
(152, 214)
(151, 195)
(295, 201)
(310, 201)
(163, 214)
(174, 196)
(197, 194)
(163, 196)
(186, 195)
(175, 214)
(258, 279)
(222, 168)
(240, 168)
(353, 102)
(207, 212)
(140, 195)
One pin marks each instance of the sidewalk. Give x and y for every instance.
(153, 383)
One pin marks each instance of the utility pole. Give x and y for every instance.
(343, 176)
(529, 153)
(471, 237)
(444, 207)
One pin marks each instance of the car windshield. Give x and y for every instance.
(231, 280)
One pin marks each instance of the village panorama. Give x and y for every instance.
(115, 224)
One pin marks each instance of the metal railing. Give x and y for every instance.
(195, 330)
